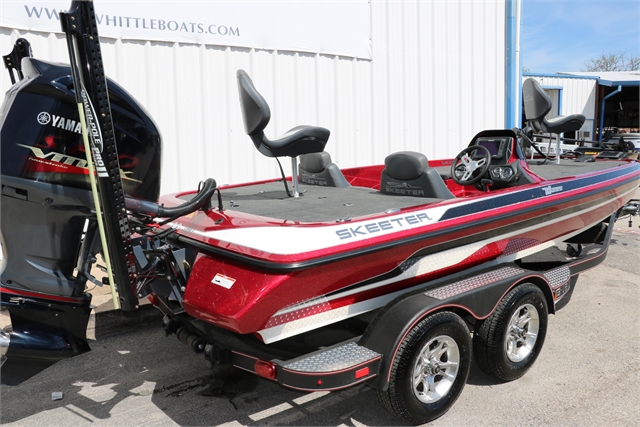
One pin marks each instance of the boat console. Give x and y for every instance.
(497, 146)
(494, 161)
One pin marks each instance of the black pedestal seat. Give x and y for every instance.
(295, 142)
(537, 105)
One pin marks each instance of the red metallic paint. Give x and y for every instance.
(257, 294)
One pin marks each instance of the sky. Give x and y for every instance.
(562, 35)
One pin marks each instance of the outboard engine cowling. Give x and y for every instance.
(46, 195)
(42, 140)
(46, 202)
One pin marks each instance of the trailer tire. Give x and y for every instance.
(422, 390)
(509, 341)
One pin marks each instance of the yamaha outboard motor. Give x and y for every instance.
(48, 217)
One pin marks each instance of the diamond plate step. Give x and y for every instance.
(333, 359)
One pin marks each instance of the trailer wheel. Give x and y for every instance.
(508, 342)
(429, 370)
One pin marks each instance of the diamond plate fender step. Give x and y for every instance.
(331, 368)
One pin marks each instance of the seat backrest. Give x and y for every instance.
(537, 103)
(407, 173)
(317, 169)
(255, 110)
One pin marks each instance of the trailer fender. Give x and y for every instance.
(476, 296)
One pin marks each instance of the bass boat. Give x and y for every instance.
(395, 274)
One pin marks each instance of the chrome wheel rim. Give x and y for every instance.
(436, 369)
(522, 333)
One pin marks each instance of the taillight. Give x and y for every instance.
(361, 373)
(265, 369)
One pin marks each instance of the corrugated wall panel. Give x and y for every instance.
(437, 77)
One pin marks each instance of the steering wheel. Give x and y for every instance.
(467, 168)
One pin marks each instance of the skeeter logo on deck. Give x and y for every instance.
(379, 226)
(549, 190)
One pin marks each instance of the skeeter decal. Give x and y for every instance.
(403, 188)
(376, 227)
(299, 239)
(313, 179)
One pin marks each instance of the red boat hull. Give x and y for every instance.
(278, 279)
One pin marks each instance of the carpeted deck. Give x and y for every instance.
(321, 204)
(316, 204)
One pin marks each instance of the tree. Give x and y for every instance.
(617, 61)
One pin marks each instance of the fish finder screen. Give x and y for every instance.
(492, 145)
(495, 146)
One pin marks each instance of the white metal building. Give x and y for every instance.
(608, 100)
(438, 75)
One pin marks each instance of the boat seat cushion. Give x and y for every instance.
(256, 115)
(563, 124)
(317, 169)
(408, 173)
(406, 164)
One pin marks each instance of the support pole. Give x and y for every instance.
(294, 176)
(92, 95)
(615, 92)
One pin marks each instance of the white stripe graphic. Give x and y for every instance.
(291, 240)
(295, 240)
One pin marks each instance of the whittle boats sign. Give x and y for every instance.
(333, 28)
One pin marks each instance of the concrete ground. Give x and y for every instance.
(588, 373)
(102, 302)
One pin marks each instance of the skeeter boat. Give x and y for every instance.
(396, 274)
(279, 266)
